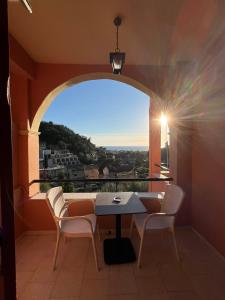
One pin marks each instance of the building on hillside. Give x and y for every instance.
(59, 163)
(105, 172)
(91, 172)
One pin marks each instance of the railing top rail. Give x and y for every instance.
(159, 177)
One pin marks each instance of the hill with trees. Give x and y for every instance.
(119, 163)
(61, 137)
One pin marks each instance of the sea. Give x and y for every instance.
(126, 148)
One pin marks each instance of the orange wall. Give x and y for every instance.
(38, 217)
(184, 172)
(208, 182)
(49, 76)
(19, 110)
(200, 157)
(20, 61)
(28, 94)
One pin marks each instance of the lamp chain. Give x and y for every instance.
(117, 38)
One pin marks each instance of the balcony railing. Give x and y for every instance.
(103, 184)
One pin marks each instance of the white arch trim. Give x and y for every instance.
(81, 78)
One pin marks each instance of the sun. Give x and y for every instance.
(163, 119)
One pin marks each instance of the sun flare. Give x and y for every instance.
(163, 119)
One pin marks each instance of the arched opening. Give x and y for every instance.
(106, 136)
(154, 128)
(78, 79)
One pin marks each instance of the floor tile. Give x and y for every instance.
(200, 275)
(183, 296)
(148, 269)
(92, 273)
(209, 287)
(22, 279)
(121, 281)
(94, 289)
(150, 286)
(174, 278)
(124, 297)
(36, 291)
(45, 272)
(65, 298)
(67, 284)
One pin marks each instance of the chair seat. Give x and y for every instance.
(159, 222)
(78, 226)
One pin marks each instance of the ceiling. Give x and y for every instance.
(153, 32)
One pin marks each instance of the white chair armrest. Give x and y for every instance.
(75, 218)
(160, 214)
(71, 201)
(155, 215)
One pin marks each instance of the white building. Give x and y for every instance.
(55, 162)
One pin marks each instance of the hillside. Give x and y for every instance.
(61, 137)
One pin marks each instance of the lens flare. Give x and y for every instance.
(163, 119)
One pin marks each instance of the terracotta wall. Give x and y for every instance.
(28, 94)
(208, 182)
(19, 109)
(50, 76)
(200, 165)
(184, 172)
(20, 117)
(208, 144)
(37, 215)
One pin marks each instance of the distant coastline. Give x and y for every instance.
(126, 148)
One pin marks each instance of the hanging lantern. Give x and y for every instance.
(117, 58)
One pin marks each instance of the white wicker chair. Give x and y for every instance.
(69, 227)
(163, 220)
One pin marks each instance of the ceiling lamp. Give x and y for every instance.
(117, 58)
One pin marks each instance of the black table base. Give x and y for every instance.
(118, 251)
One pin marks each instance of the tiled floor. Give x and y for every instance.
(200, 275)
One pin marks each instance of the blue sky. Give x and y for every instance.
(111, 113)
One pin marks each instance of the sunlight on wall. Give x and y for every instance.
(164, 122)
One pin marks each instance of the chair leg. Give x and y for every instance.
(140, 250)
(64, 239)
(56, 250)
(98, 233)
(95, 252)
(131, 227)
(175, 244)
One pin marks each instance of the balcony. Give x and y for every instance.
(161, 276)
(182, 71)
(200, 275)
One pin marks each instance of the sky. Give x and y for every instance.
(111, 113)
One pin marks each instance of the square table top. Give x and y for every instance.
(130, 204)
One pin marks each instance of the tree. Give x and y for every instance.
(68, 187)
(44, 187)
(61, 137)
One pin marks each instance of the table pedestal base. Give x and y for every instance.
(118, 251)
